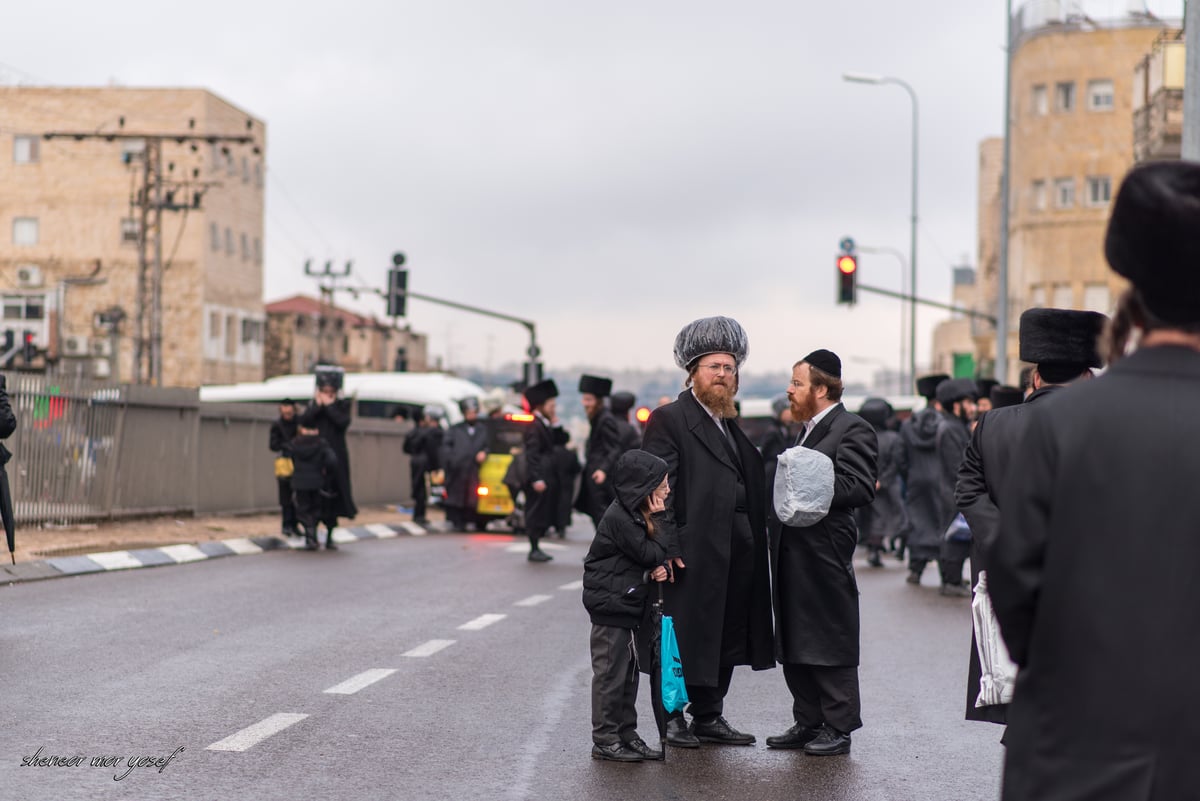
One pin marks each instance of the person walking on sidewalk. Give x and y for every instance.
(541, 486)
(283, 431)
(423, 444)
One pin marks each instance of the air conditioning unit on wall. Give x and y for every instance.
(75, 345)
(101, 348)
(29, 276)
(100, 368)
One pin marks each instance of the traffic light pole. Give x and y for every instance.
(912, 299)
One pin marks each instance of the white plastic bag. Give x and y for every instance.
(803, 486)
(999, 672)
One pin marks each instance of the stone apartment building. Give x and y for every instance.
(71, 221)
(303, 331)
(1072, 140)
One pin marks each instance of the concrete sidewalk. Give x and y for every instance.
(96, 554)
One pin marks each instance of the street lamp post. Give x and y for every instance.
(855, 77)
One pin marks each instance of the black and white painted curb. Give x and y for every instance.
(180, 554)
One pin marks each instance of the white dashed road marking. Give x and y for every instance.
(533, 600)
(574, 585)
(252, 735)
(429, 649)
(381, 531)
(523, 547)
(364, 679)
(481, 622)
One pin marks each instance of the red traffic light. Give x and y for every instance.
(847, 264)
(643, 414)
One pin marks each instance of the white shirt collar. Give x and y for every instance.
(817, 418)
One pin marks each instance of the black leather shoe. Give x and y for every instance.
(639, 745)
(913, 577)
(616, 752)
(796, 737)
(873, 560)
(718, 730)
(954, 591)
(679, 735)
(330, 545)
(539, 556)
(829, 742)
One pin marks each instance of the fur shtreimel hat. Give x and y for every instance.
(876, 411)
(1153, 238)
(826, 361)
(541, 392)
(711, 335)
(621, 403)
(1004, 395)
(956, 389)
(927, 385)
(985, 386)
(595, 385)
(1061, 336)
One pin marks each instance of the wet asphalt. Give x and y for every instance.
(138, 664)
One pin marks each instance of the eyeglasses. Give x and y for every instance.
(715, 368)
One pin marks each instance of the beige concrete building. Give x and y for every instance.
(71, 222)
(1158, 99)
(1072, 141)
(304, 331)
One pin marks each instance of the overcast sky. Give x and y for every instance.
(608, 170)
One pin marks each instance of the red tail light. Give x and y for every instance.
(519, 418)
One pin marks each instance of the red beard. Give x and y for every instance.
(718, 398)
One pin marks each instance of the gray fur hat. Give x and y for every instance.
(711, 335)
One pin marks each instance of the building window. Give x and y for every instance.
(1096, 297)
(1064, 298)
(231, 339)
(25, 149)
(228, 242)
(214, 235)
(214, 325)
(1038, 196)
(245, 240)
(230, 164)
(24, 307)
(132, 149)
(1064, 96)
(1041, 100)
(1100, 95)
(1099, 190)
(25, 231)
(245, 170)
(258, 174)
(1064, 193)
(257, 250)
(131, 231)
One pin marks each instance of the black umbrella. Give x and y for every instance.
(656, 674)
(6, 513)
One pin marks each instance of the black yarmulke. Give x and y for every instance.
(826, 361)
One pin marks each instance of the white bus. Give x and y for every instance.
(374, 394)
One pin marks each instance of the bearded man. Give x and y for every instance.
(721, 600)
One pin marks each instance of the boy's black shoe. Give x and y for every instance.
(615, 752)
(829, 742)
(539, 556)
(679, 735)
(639, 745)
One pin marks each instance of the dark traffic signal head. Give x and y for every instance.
(847, 265)
(397, 299)
(28, 348)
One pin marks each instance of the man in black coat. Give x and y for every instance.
(883, 518)
(721, 595)
(423, 444)
(620, 405)
(603, 448)
(1092, 576)
(924, 499)
(8, 426)
(283, 431)
(463, 450)
(816, 595)
(957, 399)
(330, 415)
(1062, 343)
(541, 486)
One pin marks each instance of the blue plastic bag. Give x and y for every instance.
(674, 691)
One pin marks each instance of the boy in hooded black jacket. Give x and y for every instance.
(314, 461)
(633, 541)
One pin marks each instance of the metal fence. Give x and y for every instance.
(85, 450)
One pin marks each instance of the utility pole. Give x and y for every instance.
(149, 201)
(327, 287)
(1191, 82)
(1000, 371)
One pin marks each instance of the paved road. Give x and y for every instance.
(458, 670)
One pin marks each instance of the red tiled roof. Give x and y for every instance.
(302, 304)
